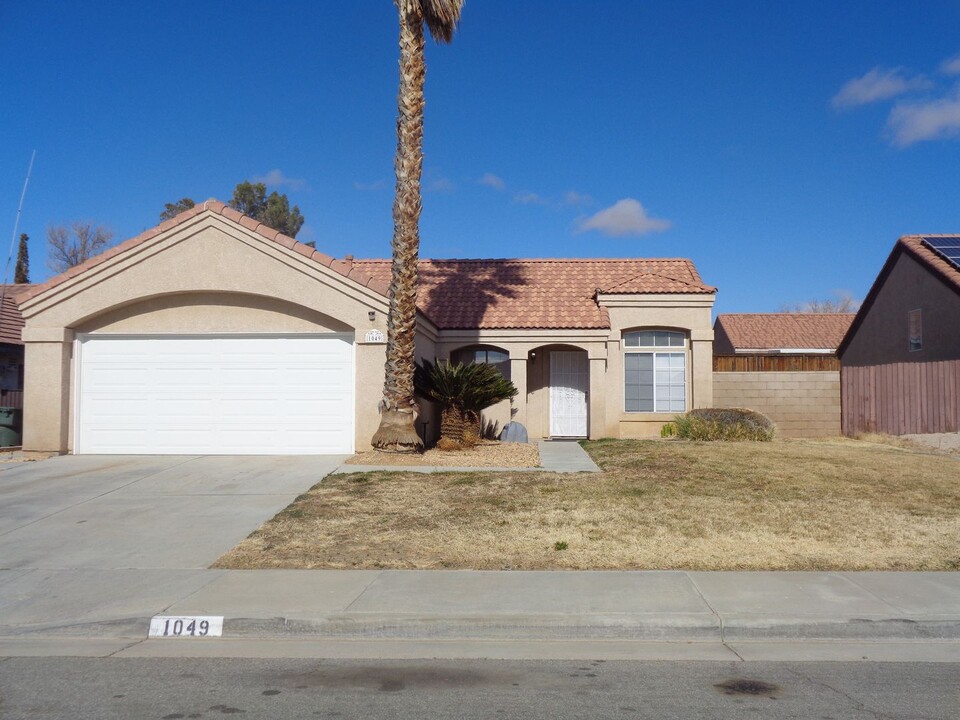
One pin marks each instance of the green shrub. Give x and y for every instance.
(668, 430)
(724, 424)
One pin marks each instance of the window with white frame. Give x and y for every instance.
(500, 359)
(655, 371)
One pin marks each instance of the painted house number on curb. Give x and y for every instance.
(186, 626)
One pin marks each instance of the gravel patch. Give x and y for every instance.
(487, 454)
(941, 441)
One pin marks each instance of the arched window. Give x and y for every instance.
(500, 359)
(655, 371)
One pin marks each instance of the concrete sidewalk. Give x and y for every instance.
(489, 606)
(559, 456)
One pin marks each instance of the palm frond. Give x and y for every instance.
(440, 16)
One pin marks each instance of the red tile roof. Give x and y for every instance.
(775, 331)
(11, 321)
(527, 294)
(471, 294)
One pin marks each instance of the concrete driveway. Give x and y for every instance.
(142, 512)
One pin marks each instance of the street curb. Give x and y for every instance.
(680, 627)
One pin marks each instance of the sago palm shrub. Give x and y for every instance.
(462, 391)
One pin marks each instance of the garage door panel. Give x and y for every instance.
(215, 395)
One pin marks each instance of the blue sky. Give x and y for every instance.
(783, 146)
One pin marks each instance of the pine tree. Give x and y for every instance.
(21, 274)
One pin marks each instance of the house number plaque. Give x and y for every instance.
(178, 626)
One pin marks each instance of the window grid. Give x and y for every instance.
(655, 380)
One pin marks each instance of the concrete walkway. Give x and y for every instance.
(559, 456)
(474, 613)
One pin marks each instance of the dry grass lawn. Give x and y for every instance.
(789, 504)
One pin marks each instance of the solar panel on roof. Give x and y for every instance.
(946, 247)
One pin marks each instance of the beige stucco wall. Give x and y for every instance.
(530, 362)
(690, 314)
(802, 404)
(207, 275)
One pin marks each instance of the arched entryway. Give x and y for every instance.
(558, 382)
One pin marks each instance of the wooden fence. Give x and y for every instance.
(11, 398)
(901, 398)
(775, 363)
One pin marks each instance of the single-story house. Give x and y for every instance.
(783, 365)
(212, 333)
(901, 357)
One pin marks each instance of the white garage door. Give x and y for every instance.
(226, 395)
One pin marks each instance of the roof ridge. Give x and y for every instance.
(784, 314)
(538, 260)
(341, 267)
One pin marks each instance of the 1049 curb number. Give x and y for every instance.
(186, 626)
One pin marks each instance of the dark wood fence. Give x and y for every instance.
(901, 398)
(11, 398)
(775, 363)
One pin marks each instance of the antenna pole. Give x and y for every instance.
(16, 225)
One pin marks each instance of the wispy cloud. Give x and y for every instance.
(572, 197)
(439, 185)
(951, 66)
(491, 180)
(876, 85)
(434, 181)
(530, 198)
(624, 217)
(935, 119)
(375, 185)
(276, 178)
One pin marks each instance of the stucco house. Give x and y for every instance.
(212, 333)
(900, 360)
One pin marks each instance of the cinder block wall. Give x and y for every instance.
(802, 404)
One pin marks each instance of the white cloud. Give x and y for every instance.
(276, 178)
(951, 66)
(491, 180)
(529, 198)
(936, 119)
(439, 185)
(878, 84)
(572, 197)
(375, 185)
(624, 217)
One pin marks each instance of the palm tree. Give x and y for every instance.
(399, 406)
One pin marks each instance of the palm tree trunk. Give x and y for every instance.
(399, 406)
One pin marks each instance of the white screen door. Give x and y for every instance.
(569, 380)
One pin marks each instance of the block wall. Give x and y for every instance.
(802, 404)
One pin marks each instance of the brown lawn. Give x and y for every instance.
(789, 504)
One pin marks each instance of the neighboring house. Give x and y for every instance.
(901, 358)
(783, 365)
(213, 334)
(11, 346)
(810, 340)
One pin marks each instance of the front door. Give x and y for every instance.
(569, 381)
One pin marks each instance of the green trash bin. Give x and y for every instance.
(11, 425)
(9, 438)
(11, 417)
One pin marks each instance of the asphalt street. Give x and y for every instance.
(175, 688)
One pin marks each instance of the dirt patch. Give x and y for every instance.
(486, 454)
(783, 505)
